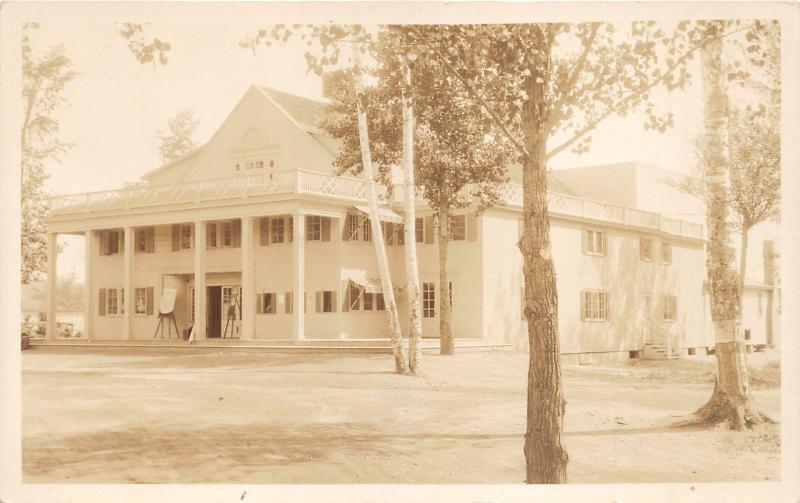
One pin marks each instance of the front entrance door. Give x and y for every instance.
(214, 306)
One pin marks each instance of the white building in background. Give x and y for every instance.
(257, 213)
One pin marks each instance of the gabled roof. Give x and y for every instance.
(306, 112)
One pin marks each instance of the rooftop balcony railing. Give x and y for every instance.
(339, 187)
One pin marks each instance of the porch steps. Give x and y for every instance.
(307, 346)
(656, 352)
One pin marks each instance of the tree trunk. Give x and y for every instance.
(410, 221)
(401, 365)
(545, 457)
(743, 266)
(730, 400)
(446, 344)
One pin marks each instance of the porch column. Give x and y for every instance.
(127, 264)
(199, 281)
(87, 283)
(298, 276)
(248, 300)
(52, 258)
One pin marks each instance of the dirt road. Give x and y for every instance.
(169, 416)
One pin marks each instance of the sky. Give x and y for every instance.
(117, 105)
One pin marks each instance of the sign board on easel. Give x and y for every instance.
(167, 301)
(166, 310)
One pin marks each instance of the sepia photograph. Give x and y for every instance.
(518, 247)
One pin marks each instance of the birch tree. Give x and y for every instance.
(330, 39)
(44, 77)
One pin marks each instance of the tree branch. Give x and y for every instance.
(471, 89)
(573, 77)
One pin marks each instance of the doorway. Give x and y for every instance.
(214, 306)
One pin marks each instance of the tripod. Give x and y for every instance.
(231, 317)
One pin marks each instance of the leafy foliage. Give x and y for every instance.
(44, 77)
(146, 51)
(179, 138)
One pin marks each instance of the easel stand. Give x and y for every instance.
(169, 316)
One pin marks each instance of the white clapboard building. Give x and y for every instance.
(257, 214)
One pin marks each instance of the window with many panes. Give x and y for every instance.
(428, 300)
(313, 228)
(458, 227)
(110, 242)
(277, 230)
(594, 242)
(419, 230)
(594, 305)
(226, 232)
(366, 230)
(186, 236)
(141, 240)
(112, 302)
(666, 253)
(670, 307)
(140, 301)
(352, 226)
(645, 248)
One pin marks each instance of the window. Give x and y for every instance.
(366, 230)
(594, 305)
(110, 242)
(458, 227)
(428, 300)
(141, 301)
(354, 297)
(268, 302)
(666, 253)
(379, 305)
(277, 231)
(112, 305)
(594, 242)
(211, 235)
(352, 227)
(369, 301)
(645, 248)
(226, 230)
(326, 301)
(186, 237)
(313, 228)
(670, 306)
(141, 240)
(419, 230)
(250, 165)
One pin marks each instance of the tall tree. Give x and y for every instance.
(730, 401)
(561, 81)
(44, 77)
(459, 159)
(179, 138)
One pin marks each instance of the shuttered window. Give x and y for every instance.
(325, 301)
(458, 227)
(666, 253)
(277, 230)
(594, 242)
(419, 230)
(669, 307)
(646, 249)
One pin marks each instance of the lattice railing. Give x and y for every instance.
(342, 187)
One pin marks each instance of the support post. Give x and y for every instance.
(199, 281)
(52, 260)
(127, 333)
(298, 276)
(87, 283)
(247, 302)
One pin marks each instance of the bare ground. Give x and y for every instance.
(179, 417)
